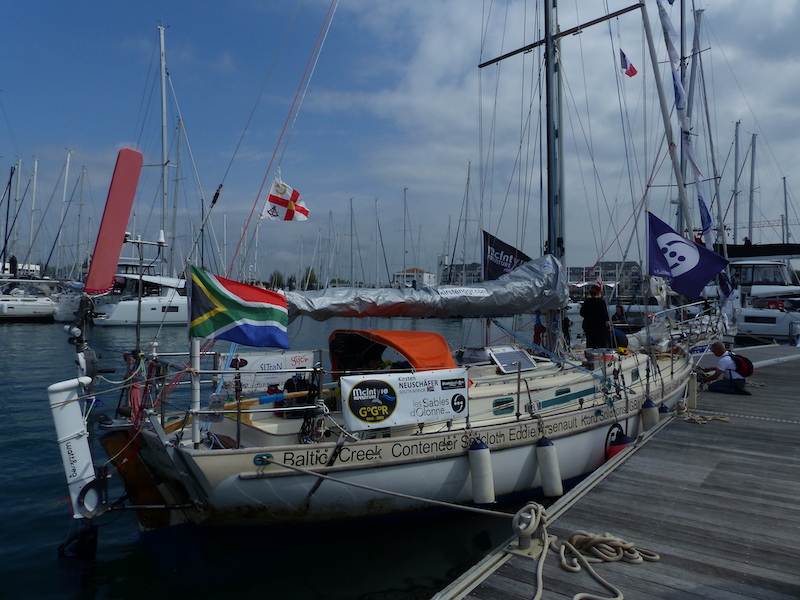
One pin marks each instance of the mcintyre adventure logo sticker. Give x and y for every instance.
(372, 400)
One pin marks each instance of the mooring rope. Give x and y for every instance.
(583, 548)
(587, 548)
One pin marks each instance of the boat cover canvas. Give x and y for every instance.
(540, 284)
(358, 350)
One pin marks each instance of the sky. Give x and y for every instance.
(401, 148)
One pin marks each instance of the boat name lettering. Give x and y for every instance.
(421, 448)
(307, 458)
(359, 454)
(597, 417)
(73, 472)
(526, 431)
(559, 426)
(491, 438)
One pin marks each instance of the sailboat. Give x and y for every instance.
(396, 424)
(26, 300)
(25, 296)
(141, 296)
(769, 297)
(768, 294)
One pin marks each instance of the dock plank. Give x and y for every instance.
(717, 501)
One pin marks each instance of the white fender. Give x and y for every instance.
(548, 468)
(649, 414)
(73, 440)
(480, 466)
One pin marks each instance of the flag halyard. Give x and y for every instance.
(237, 312)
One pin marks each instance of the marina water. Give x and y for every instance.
(391, 559)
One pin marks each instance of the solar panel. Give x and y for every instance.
(508, 358)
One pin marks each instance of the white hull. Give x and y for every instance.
(769, 323)
(167, 309)
(258, 485)
(769, 300)
(24, 307)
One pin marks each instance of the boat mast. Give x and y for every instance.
(33, 208)
(736, 184)
(16, 210)
(60, 258)
(174, 228)
(79, 266)
(164, 157)
(721, 237)
(405, 214)
(352, 256)
(752, 188)
(676, 166)
(785, 213)
(555, 225)
(377, 254)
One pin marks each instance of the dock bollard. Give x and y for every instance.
(525, 523)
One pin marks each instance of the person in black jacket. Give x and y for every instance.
(596, 324)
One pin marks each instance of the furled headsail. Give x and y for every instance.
(540, 284)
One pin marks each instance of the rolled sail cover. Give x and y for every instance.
(540, 284)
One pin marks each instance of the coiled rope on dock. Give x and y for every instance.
(582, 549)
(690, 417)
(587, 548)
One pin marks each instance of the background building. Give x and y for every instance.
(413, 278)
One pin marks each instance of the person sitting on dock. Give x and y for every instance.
(731, 382)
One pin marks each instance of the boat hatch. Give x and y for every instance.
(508, 359)
(359, 350)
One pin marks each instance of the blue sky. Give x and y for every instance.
(396, 109)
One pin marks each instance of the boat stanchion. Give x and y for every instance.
(649, 413)
(549, 470)
(480, 466)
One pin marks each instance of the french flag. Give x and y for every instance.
(626, 65)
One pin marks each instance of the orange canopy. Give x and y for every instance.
(353, 349)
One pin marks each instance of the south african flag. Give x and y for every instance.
(229, 310)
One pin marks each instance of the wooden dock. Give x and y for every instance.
(718, 501)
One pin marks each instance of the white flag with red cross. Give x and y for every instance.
(285, 203)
